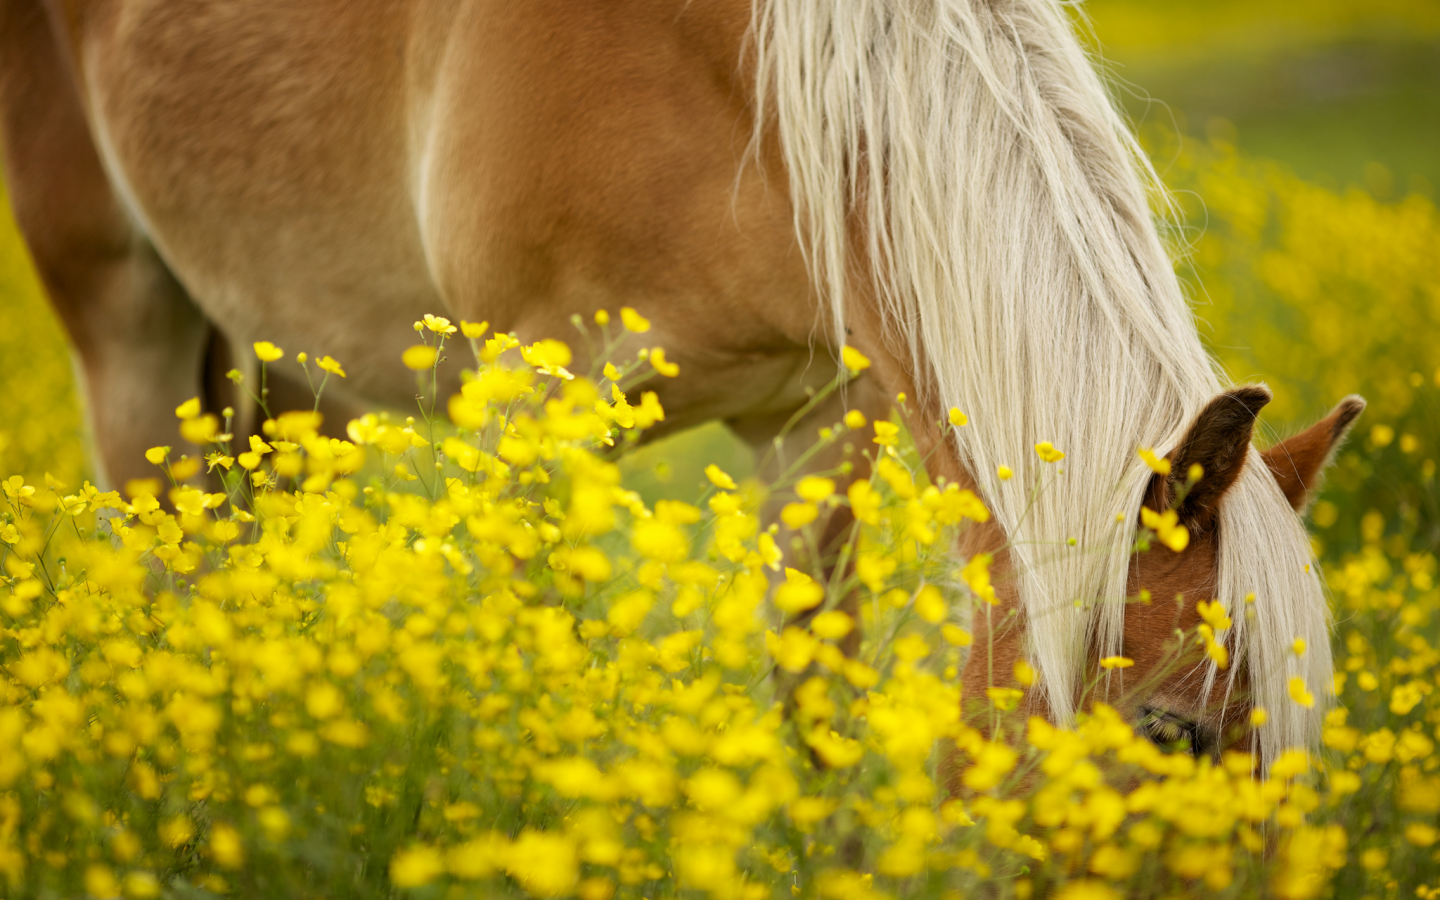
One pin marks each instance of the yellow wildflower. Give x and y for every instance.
(1158, 464)
(814, 488)
(886, 433)
(1167, 527)
(662, 365)
(1299, 693)
(419, 357)
(416, 866)
(438, 324)
(633, 321)
(267, 352)
(853, 359)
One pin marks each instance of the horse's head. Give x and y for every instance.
(1168, 691)
(1165, 691)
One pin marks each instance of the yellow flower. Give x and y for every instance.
(1299, 693)
(1116, 662)
(662, 365)
(602, 317)
(1085, 889)
(268, 352)
(958, 418)
(419, 357)
(1421, 835)
(201, 429)
(1167, 527)
(1214, 649)
(798, 593)
(1024, 673)
(976, 574)
(416, 866)
(189, 409)
(549, 356)
(798, 515)
(1158, 464)
(992, 761)
(438, 325)
(1004, 699)
(1005, 472)
(718, 477)
(141, 885)
(473, 330)
(226, 846)
(853, 359)
(832, 624)
(329, 364)
(806, 811)
(886, 433)
(1213, 613)
(836, 751)
(814, 488)
(156, 455)
(956, 636)
(1258, 716)
(793, 648)
(930, 604)
(633, 321)
(1406, 697)
(323, 700)
(1047, 452)
(545, 864)
(177, 831)
(100, 882)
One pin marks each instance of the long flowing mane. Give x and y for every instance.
(970, 151)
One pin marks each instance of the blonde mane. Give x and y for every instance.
(971, 149)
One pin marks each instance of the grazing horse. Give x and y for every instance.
(943, 184)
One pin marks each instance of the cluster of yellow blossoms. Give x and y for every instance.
(455, 659)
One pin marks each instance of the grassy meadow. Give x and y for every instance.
(496, 652)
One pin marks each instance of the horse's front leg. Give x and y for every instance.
(140, 341)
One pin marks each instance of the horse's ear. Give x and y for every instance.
(1298, 462)
(1218, 442)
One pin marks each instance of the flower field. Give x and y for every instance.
(498, 648)
(454, 656)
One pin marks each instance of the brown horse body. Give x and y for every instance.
(193, 175)
(322, 174)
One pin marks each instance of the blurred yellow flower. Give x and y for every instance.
(419, 357)
(853, 359)
(633, 321)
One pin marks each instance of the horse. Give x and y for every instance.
(945, 186)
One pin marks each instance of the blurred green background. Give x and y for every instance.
(1303, 141)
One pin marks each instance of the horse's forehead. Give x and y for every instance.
(1171, 585)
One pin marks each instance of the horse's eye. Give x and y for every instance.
(1170, 732)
